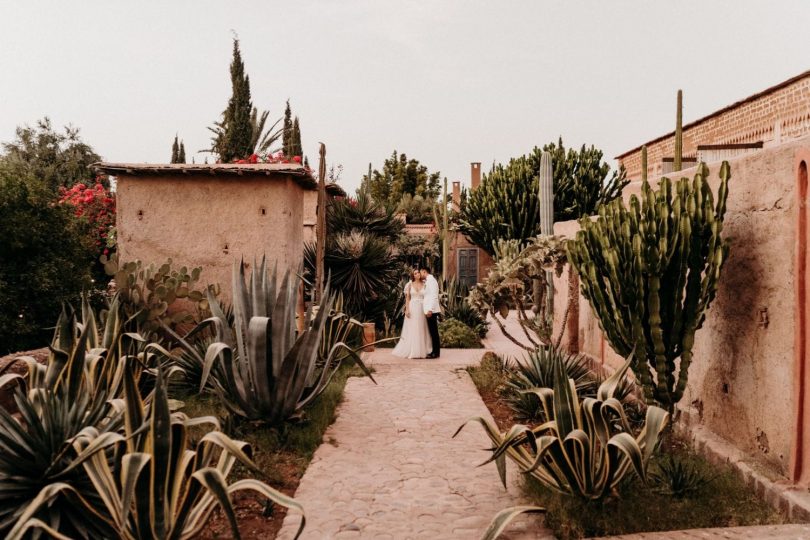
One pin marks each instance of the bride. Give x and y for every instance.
(415, 339)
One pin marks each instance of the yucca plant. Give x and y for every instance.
(361, 266)
(270, 373)
(536, 370)
(584, 449)
(155, 487)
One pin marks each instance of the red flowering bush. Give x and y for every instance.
(94, 205)
(278, 157)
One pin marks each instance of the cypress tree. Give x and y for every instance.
(286, 138)
(235, 142)
(295, 147)
(175, 150)
(181, 154)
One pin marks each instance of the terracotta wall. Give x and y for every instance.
(774, 117)
(741, 383)
(210, 221)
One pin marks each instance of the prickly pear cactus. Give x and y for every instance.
(650, 272)
(146, 292)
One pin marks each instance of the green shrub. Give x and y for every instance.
(455, 306)
(44, 261)
(454, 334)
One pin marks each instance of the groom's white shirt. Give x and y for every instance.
(431, 300)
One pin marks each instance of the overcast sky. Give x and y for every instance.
(447, 82)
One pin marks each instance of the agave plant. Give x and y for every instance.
(269, 372)
(91, 354)
(155, 487)
(537, 371)
(339, 328)
(37, 449)
(74, 395)
(585, 448)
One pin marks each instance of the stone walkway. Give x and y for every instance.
(390, 469)
(764, 532)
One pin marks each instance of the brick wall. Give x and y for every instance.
(774, 116)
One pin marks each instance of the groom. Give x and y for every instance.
(432, 309)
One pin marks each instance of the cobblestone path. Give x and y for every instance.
(389, 468)
(764, 532)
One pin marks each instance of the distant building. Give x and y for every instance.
(211, 215)
(468, 263)
(776, 115)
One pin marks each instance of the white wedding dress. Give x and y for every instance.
(414, 342)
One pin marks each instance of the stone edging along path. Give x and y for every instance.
(389, 467)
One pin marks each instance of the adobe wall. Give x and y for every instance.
(775, 117)
(310, 215)
(741, 382)
(210, 221)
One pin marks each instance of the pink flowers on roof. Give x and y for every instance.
(278, 157)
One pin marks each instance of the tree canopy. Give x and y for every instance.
(401, 176)
(506, 206)
(54, 159)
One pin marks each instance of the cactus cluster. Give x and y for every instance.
(650, 272)
(507, 203)
(146, 292)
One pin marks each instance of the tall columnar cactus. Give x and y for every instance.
(546, 200)
(650, 272)
(678, 159)
(643, 163)
(444, 236)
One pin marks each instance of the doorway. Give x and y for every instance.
(467, 269)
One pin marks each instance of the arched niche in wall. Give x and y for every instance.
(800, 450)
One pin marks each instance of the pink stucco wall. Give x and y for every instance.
(741, 382)
(210, 221)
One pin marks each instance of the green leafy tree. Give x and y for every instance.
(181, 153)
(44, 260)
(233, 135)
(401, 176)
(506, 206)
(51, 158)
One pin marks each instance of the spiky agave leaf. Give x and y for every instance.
(157, 487)
(269, 372)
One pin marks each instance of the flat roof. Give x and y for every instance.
(299, 173)
(721, 111)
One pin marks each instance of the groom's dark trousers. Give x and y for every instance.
(433, 329)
